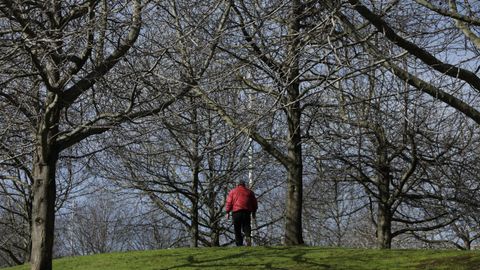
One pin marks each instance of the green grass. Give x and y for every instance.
(299, 258)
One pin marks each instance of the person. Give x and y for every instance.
(242, 202)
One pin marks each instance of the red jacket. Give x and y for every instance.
(241, 198)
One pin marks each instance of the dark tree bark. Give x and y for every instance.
(194, 199)
(293, 226)
(384, 214)
(44, 188)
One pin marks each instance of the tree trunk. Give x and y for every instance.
(213, 222)
(212, 212)
(384, 226)
(384, 215)
(293, 224)
(43, 212)
(44, 187)
(215, 241)
(466, 241)
(195, 165)
(468, 245)
(28, 249)
(194, 227)
(194, 199)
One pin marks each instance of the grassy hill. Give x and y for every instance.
(301, 258)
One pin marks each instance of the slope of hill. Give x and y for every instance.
(299, 258)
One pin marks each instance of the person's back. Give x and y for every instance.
(241, 198)
(242, 202)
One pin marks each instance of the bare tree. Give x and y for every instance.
(390, 140)
(278, 64)
(60, 52)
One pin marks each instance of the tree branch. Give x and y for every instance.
(445, 68)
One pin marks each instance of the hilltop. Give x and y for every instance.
(301, 258)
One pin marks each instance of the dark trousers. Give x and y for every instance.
(241, 221)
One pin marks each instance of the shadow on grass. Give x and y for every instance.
(297, 255)
(267, 259)
(193, 262)
(467, 261)
(330, 258)
(299, 258)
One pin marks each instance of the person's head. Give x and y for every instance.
(241, 183)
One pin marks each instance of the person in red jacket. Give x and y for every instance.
(242, 202)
